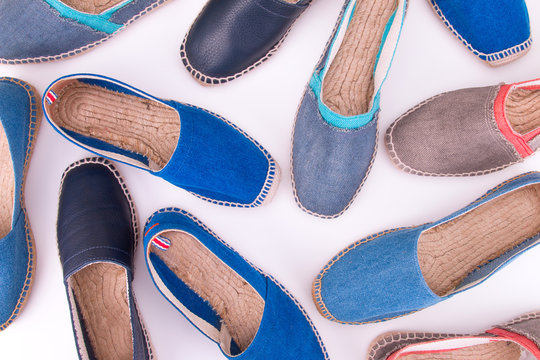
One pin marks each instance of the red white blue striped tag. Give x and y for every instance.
(161, 242)
(51, 97)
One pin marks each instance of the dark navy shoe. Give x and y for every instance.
(97, 233)
(19, 119)
(231, 37)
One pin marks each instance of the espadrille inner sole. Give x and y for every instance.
(448, 253)
(348, 85)
(100, 291)
(139, 125)
(235, 301)
(522, 110)
(500, 350)
(7, 181)
(92, 6)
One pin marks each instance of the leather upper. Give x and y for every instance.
(94, 218)
(229, 36)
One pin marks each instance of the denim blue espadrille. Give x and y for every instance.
(20, 115)
(245, 311)
(190, 147)
(335, 134)
(403, 270)
(97, 233)
(35, 31)
(496, 31)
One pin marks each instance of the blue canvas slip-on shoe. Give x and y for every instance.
(335, 133)
(495, 31)
(20, 115)
(231, 37)
(518, 339)
(400, 271)
(35, 31)
(245, 311)
(190, 147)
(97, 232)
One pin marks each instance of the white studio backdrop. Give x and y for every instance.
(279, 237)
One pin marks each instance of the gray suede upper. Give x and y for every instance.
(454, 133)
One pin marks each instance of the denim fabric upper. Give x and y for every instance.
(229, 36)
(33, 30)
(329, 163)
(213, 158)
(95, 225)
(379, 278)
(453, 134)
(285, 331)
(17, 106)
(488, 26)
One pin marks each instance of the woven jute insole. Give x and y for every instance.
(7, 182)
(449, 252)
(143, 126)
(348, 86)
(522, 110)
(100, 291)
(239, 306)
(499, 350)
(92, 6)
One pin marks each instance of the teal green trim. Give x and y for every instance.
(338, 120)
(97, 22)
(385, 35)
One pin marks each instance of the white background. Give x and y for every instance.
(279, 237)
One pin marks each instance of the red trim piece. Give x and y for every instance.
(531, 135)
(156, 224)
(515, 139)
(520, 339)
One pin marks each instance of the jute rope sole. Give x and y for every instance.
(500, 350)
(100, 291)
(143, 126)
(448, 253)
(92, 6)
(239, 306)
(349, 84)
(522, 110)
(7, 182)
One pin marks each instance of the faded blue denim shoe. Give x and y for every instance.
(400, 271)
(190, 147)
(335, 134)
(496, 31)
(35, 31)
(20, 115)
(245, 311)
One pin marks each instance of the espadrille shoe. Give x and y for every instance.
(35, 31)
(468, 132)
(20, 115)
(518, 339)
(496, 31)
(245, 311)
(97, 233)
(190, 147)
(231, 37)
(399, 271)
(335, 133)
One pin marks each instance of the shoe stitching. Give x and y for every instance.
(496, 58)
(317, 284)
(390, 147)
(35, 117)
(214, 235)
(41, 59)
(210, 80)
